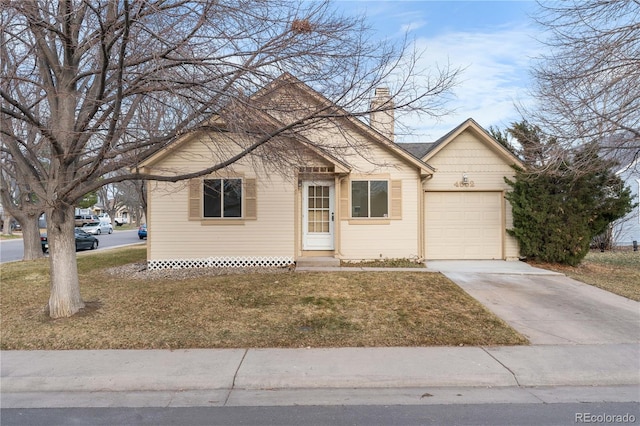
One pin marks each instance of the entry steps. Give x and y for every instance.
(321, 261)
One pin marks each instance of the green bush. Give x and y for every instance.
(557, 212)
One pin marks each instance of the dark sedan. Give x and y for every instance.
(84, 241)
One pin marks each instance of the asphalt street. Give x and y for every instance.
(12, 250)
(338, 415)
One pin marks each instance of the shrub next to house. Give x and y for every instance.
(557, 212)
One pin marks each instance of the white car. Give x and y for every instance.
(98, 228)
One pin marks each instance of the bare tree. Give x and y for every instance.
(23, 205)
(18, 200)
(128, 194)
(110, 197)
(588, 84)
(105, 84)
(134, 198)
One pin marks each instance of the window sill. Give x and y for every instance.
(216, 221)
(369, 221)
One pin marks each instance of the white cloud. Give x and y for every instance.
(412, 26)
(495, 77)
(493, 43)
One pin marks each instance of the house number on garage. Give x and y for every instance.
(463, 184)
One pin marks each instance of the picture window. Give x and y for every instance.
(222, 198)
(370, 198)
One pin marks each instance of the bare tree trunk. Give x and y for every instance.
(6, 226)
(28, 218)
(65, 299)
(31, 237)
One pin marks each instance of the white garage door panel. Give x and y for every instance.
(463, 225)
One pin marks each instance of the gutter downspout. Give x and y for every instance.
(422, 248)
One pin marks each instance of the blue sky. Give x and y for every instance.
(494, 41)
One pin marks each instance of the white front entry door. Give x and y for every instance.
(317, 215)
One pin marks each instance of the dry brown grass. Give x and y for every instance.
(244, 310)
(614, 271)
(16, 236)
(383, 263)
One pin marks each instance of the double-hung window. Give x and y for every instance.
(370, 198)
(222, 198)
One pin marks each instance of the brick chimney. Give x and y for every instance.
(382, 121)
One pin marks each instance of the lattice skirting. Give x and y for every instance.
(221, 262)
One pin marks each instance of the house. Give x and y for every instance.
(345, 191)
(627, 230)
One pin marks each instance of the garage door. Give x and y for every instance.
(463, 225)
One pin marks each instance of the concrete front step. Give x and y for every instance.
(323, 261)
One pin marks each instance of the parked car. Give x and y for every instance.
(119, 221)
(83, 219)
(98, 228)
(84, 241)
(142, 231)
(15, 225)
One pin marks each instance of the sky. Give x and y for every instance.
(493, 41)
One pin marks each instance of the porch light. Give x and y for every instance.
(465, 179)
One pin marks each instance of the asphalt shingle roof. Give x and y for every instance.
(418, 150)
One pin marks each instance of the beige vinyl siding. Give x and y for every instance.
(468, 154)
(395, 237)
(485, 169)
(178, 234)
(174, 236)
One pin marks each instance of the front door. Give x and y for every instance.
(317, 215)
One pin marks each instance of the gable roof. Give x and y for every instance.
(471, 125)
(333, 112)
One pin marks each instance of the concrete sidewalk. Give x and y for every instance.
(541, 373)
(104, 377)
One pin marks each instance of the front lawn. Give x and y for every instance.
(615, 271)
(15, 236)
(129, 308)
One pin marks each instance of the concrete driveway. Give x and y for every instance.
(546, 307)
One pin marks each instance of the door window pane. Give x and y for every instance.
(318, 209)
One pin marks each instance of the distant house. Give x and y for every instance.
(627, 230)
(379, 199)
